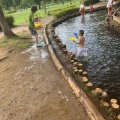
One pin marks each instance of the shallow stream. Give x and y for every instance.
(103, 64)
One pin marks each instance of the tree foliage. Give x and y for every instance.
(88, 2)
(26, 3)
(6, 3)
(37, 1)
(16, 2)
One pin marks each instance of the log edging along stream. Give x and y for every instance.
(86, 102)
(112, 26)
(90, 108)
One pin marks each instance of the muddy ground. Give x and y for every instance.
(31, 87)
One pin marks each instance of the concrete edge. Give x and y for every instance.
(88, 105)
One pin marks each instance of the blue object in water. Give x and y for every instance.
(75, 34)
(39, 44)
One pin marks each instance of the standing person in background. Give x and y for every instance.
(32, 26)
(82, 10)
(109, 6)
(91, 9)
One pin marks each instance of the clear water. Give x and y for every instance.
(103, 50)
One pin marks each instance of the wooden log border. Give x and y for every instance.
(111, 26)
(90, 108)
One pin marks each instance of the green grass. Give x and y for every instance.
(16, 42)
(22, 16)
(20, 43)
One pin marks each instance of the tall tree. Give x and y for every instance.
(4, 25)
(26, 3)
(38, 2)
(16, 2)
(6, 3)
(44, 5)
(62, 1)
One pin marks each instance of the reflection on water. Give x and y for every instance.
(103, 50)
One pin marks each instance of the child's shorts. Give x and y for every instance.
(33, 31)
(81, 52)
(82, 12)
(109, 9)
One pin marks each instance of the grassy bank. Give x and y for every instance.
(22, 16)
(20, 43)
(16, 42)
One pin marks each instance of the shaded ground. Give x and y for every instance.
(31, 88)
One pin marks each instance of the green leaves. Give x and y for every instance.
(6, 3)
(65, 11)
(88, 2)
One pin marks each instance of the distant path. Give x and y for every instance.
(100, 4)
(25, 26)
(16, 30)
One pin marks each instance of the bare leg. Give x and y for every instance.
(82, 19)
(36, 39)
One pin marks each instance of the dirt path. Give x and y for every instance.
(31, 87)
(100, 4)
(25, 26)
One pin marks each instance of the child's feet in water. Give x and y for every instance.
(85, 59)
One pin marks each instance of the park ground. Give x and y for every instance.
(31, 87)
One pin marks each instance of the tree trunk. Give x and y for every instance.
(70, 1)
(4, 25)
(44, 6)
(63, 2)
(39, 5)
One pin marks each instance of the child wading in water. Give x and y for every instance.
(91, 9)
(32, 26)
(109, 7)
(82, 10)
(81, 51)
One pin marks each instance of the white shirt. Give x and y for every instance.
(82, 6)
(109, 4)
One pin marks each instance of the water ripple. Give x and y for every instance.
(103, 50)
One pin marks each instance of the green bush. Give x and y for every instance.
(88, 2)
(10, 21)
(10, 11)
(65, 12)
(52, 12)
